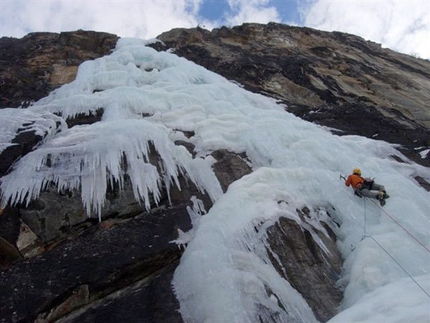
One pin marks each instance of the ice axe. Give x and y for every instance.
(342, 177)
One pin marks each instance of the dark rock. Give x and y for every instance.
(10, 224)
(312, 271)
(229, 167)
(148, 300)
(36, 64)
(423, 183)
(8, 254)
(57, 264)
(104, 259)
(81, 119)
(23, 144)
(54, 216)
(82, 267)
(334, 79)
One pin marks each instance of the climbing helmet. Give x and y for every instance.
(356, 171)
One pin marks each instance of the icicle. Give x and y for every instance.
(89, 157)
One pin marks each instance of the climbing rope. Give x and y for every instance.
(398, 264)
(391, 217)
(365, 235)
(386, 251)
(365, 218)
(402, 227)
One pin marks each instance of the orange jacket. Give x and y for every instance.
(354, 180)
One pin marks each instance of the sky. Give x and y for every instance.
(402, 25)
(225, 273)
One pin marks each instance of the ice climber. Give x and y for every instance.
(366, 187)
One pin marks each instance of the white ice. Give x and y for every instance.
(225, 274)
(24, 120)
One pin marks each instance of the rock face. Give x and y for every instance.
(333, 79)
(33, 66)
(77, 267)
(302, 262)
(58, 265)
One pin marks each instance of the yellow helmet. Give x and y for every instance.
(356, 171)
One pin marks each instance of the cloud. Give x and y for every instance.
(402, 25)
(259, 11)
(143, 19)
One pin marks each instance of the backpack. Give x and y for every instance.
(368, 183)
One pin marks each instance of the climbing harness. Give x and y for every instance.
(365, 235)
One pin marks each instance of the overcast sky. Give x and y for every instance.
(402, 25)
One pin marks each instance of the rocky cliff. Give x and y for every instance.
(33, 66)
(334, 79)
(59, 265)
